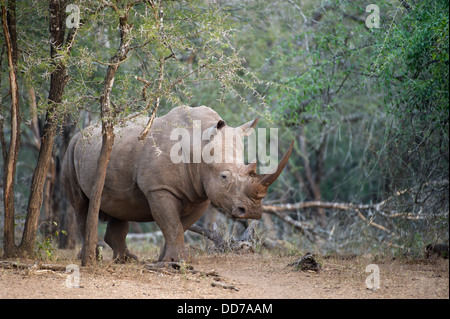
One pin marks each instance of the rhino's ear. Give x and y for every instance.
(213, 130)
(220, 124)
(247, 128)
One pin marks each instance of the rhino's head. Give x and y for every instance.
(233, 185)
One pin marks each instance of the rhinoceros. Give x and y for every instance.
(144, 184)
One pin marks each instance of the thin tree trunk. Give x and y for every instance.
(107, 114)
(9, 247)
(37, 187)
(50, 200)
(91, 235)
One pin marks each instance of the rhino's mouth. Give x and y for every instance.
(244, 213)
(239, 212)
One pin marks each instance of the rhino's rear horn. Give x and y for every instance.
(268, 179)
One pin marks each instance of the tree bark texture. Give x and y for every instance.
(8, 16)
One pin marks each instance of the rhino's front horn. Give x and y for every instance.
(268, 179)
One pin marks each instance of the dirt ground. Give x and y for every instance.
(244, 276)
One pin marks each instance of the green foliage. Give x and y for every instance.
(195, 45)
(413, 60)
(328, 59)
(412, 70)
(45, 248)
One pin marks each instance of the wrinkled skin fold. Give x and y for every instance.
(143, 183)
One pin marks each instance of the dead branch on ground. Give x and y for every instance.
(36, 266)
(244, 244)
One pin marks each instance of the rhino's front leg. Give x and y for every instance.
(188, 220)
(197, 212)
(166, 209)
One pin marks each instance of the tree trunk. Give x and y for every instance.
(9, 246)
(314, 183)
(58, 82)
(37, 187)
(107, 114)
(58, 212)
(91, 235)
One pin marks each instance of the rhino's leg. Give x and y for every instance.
(115, 237)
(81, 210)
(188, 220)
(80, 204)
(165, 209)
(196, 213)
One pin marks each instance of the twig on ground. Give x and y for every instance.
(223, 285)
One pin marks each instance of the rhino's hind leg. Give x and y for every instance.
(80, 215)
(80, 204)
(116, 233)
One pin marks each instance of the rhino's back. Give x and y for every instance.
(156, 170)
(137, 167)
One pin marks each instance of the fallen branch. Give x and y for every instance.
(303, 227)
(36, 266)
(243, 244)
(315, 204)
(372, 223)
(378, 208)
(212, 235)
(173, 268)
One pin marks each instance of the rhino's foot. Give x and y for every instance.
(173, 254)
(98, 251)
(124, 258)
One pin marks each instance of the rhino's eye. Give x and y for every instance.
(223, 176)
